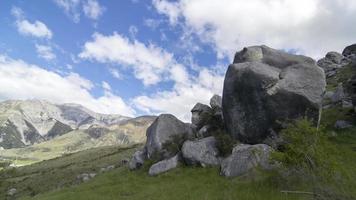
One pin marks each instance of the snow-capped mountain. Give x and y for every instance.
(27, 122)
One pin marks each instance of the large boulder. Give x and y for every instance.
(164, 165)
(137, 159)
(166, 129)
(201, 152)
(265, 87)
(245, 157)
(200, 115)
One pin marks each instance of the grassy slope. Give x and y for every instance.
(60, 172)
(182, 183)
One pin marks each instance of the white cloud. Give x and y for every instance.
(92, 9)
(171, 9)
(70, 7)
(20, 80)
(45, 52)
(149, 62)
(115, 73)
(312, 27)
(183, 97)
(36, 29)
(106, 86)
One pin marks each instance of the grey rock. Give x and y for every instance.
(245, 157)
(164, 165)
(347, 104)
(107, 168)
(338, 95)
(335, 57)
(201, 152)
(12, 192)
(216, 102)
(137, 159)
(265, 86)
(270, 56)
(349, 50)
(85, 177)
(200, 115)
(205, 131)
(341, 124)
(162, 131)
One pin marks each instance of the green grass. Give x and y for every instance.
(182, 183)
(60, 172)
(188, 183)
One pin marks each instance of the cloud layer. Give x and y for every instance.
(20, 80)
(312, 27)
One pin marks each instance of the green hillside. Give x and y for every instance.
(56, 179)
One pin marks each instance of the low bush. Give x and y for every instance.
(224, 142)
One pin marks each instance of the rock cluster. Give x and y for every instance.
(344, 94)
(263, 89)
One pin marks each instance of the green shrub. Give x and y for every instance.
(308, 156)
(306, 148)
(175, 143)
(224, 142)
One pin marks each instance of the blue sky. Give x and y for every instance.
(136, 57)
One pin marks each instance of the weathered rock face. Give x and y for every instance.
(200, 115)
(265, 86)
(163, 130)
(332, 62)
(201, 152)
(164, 165)
(349, 50)
(216, 102)
(137, 159)
(246, 157)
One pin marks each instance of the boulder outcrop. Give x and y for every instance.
(265, 86)
(165, 129)
(245, 157)
(201, 152)
(200, 115)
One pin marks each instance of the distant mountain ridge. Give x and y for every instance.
(26, 122)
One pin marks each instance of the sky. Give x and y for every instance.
(146, 57)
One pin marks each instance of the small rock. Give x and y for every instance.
(108, 168)
(84, 177)
(245, 157)
(347, 104)
(200, 115)
(202, 152)
(216, 101)
(205, 131)
(12, 191)
(341, 124)
(339, 94)
(124, 162)
(164, 166)
(137, 159)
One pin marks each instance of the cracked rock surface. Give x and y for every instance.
(264, 87)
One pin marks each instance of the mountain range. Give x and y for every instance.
(27, 122)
